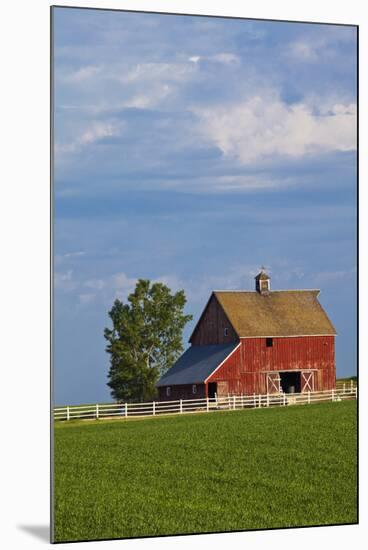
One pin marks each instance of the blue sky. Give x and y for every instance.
(192, 150)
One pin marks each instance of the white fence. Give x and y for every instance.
(230, 402)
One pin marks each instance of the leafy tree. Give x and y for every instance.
(146, 339)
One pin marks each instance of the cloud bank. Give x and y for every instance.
(201, 105)
(264, 127)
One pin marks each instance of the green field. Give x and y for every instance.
(222, 471)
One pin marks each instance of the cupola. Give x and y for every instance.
(262, 282)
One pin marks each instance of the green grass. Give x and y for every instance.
(222, 471)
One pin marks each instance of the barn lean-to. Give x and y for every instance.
(260, 341)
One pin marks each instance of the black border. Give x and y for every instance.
(52, 217)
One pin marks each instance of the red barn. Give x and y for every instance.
(255, 342)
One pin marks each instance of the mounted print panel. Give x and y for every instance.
(205, 286)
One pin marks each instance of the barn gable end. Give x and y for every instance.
(213, 326)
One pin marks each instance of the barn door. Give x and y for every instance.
(273, 382)
(307, 382)
(222, 388)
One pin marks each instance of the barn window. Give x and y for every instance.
(194, 388)
(168, 391)
(226, 331)
(269, 342)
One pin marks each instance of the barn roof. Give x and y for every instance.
(279, 313)
(196, 364)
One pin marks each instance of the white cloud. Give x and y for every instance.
(82, 74)
(339, 109)
(242, 182)
(64, 281)
(305, 51)
(147, 85)
(86, 299)
(150, 98)
(265, 126)
(97, 131)
(224, 58)
(114, 86)
(172, 281)
(154, 72)
(314, 46)
(60, 258)
(198, 290)
(122, 284)
(93, 133)
(227, 183)
(74, 254)
(97, 284)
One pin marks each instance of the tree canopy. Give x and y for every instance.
(145, 339)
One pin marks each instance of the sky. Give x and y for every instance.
(191, 151)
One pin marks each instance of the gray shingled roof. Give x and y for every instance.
(196, 364)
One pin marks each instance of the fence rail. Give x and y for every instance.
(182, 406)
(344, 384)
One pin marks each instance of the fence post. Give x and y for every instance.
(356, 392)
(234, 400)
(254, 400)
(207, 405)
(333, 395)
(126, 410)
(181, 406)
(67, 412)
(308, 397)
(153, 408)
(268, 400)
(259, 400)
(97, 411)
(284, 398)
(229, 401)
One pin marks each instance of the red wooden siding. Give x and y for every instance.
(211, 326)
(245, 371)
(228, 376)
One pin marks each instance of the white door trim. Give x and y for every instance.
(273, 382)
(307, 381)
